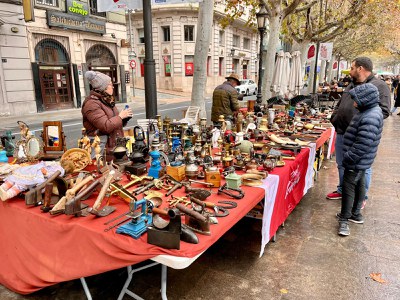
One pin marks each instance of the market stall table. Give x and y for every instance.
(40, 250)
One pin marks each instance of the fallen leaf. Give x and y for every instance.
(377, 277)
(284, 291)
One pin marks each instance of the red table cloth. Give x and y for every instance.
(40, 250)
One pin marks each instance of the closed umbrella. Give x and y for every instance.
(285, 75)
(296, 76)
(276, 79)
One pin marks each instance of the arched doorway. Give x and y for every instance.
(54, 74)
(99, 58)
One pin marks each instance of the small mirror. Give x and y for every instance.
(53, 140)
(53, 136)
(33, 148)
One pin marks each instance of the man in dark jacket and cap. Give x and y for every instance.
(361, 72)
(225, 98)
(360, 145)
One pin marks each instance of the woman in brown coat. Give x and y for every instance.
(100, 114)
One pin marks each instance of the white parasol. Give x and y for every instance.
(285, 75)
(295, 77)
(276, 79)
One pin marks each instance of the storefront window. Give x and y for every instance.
(50, 51)
(167, 65)
(141, 66)
(189, 66)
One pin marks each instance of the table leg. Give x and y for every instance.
(164, 282)
(129, 279)
(85, 288)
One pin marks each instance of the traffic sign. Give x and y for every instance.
(132, 64)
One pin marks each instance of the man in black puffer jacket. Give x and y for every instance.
(360, 145)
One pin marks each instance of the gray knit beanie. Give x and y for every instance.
(97, 80)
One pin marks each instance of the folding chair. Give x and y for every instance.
(144, 123)
(334, 96)
(191, 115)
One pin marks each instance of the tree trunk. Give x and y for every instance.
(321, 77)
(275, 26)
(310, 88)
(303, 48)
(204, 28)
(330, 69)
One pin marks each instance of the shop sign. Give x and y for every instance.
(75, 22)
(77, 7)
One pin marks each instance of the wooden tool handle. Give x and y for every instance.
(88, 189)
(191, 213)
(103, 190)
(50, 179)
(159, 211)
(202, 203)
(60, 205)
(173, 189)
(289, 157)
(48, 190)
(71, 192)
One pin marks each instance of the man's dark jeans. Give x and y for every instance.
(353, 193)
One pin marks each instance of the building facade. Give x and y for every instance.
(43, 62)
(232, 49)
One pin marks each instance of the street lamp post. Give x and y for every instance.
(262, 18)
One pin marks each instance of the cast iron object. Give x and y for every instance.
(34, 196)
(228, 204)
(168, 237)
(231, 192)
(194, 220)
(188, 236)
(201, 194)
(219, 211)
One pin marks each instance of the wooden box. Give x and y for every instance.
(178, 173)
(213, 177)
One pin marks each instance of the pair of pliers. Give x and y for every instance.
(219, 210)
